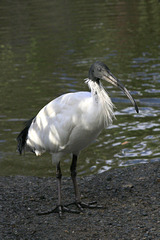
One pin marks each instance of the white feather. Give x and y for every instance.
(104, 100)
(71, 122)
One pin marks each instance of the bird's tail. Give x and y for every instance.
(22, 137)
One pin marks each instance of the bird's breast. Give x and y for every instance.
(80, 139)
(87, 126)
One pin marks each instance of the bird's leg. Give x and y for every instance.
(78, 201)
(60, 208)
(75, 185)
(74, 178)
(59, 177)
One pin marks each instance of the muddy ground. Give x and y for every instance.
(131, 196)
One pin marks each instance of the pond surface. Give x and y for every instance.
(46, 49)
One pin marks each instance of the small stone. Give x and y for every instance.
(128, 186)
(109, 178)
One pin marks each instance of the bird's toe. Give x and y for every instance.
(82, 205)
(60, 209)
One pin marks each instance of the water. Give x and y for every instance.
(46, 49)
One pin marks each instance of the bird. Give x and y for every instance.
(70, 123)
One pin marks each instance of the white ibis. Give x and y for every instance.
(70, 123)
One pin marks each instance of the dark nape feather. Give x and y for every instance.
(22, 137)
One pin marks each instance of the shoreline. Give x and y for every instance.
(131, 197)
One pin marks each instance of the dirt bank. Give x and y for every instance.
(131, 196)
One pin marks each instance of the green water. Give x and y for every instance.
(46, 49)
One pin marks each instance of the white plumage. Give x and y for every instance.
(70, 123)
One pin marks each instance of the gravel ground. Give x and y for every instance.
(131, 197)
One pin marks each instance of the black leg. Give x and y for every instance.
(64, 208)
(59, 177)
(60, 208)
(78, 202)
(74, 178)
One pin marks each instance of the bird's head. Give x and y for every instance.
(99, 71)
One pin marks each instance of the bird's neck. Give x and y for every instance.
(103, 101)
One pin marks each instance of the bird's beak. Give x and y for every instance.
(109, 77)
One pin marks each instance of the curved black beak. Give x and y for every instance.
(109, 77)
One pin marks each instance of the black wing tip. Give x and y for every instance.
(22, 137)
(21, 142)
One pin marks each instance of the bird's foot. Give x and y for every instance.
(82, 205)
(60, 209)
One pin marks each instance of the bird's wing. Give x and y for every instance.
(52, 127)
